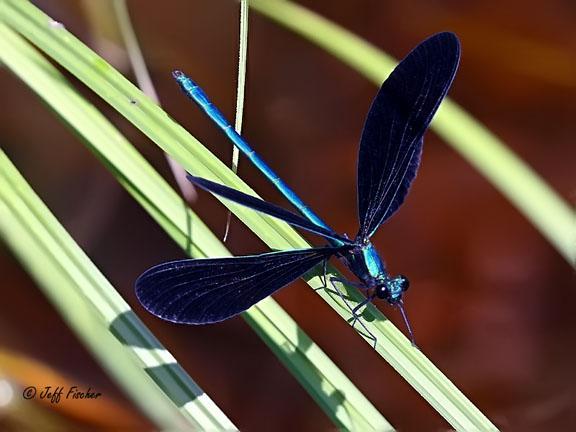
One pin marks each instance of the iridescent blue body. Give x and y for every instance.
(365, 262)
(194, 92)
(363, 259)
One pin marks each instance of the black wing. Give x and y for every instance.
(266, 208)
(203, 291)
(391, 141)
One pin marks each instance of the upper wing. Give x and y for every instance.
(202, 291)
(391, 141)
(266, 208)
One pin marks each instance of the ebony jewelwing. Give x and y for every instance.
(209, 290)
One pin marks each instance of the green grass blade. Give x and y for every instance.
(138, 63)
(316, 372)
(97, 313)
(113, 88)
(240, 89)
(241, 85)
(516, 181)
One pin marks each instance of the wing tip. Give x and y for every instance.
(449, 41)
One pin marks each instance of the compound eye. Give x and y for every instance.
(404, 282)
(381, 292)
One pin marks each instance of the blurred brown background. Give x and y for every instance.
(492, 303)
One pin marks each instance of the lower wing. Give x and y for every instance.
(203, 291)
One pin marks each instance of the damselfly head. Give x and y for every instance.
(392, 289)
